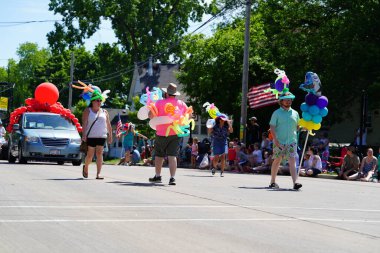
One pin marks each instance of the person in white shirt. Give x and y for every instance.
(313, 165)
(364, 137)
(257, 155)
(2, 134)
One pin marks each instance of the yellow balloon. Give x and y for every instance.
(317, 126)
(212, 113)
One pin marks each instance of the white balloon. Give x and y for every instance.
(210, 123)
(143, 113)
(159, 121)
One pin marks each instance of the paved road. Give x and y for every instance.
(50, 208)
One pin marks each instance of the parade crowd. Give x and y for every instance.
(256, 156)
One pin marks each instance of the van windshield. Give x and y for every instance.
(47, 121)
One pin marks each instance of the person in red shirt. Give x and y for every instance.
(231, 155)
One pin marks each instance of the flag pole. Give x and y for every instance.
(303, 152)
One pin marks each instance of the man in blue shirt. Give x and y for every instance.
(284, 126)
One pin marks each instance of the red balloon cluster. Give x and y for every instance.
(33, 105)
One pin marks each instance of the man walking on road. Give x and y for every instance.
(167, 145)
(283, 126)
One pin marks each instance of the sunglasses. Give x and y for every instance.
(98, 100)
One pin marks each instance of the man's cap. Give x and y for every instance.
(171, 89)
(253, 118)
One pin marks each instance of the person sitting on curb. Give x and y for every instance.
(367, 167)
(313, 165)
(135, 155)
(351, 163)
(242, 158)
(265, 167)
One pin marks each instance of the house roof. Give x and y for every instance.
(163, 74)
(113, 114)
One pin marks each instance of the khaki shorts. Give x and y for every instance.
(166, 146)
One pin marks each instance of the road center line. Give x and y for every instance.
(188, 206)
(186, 220)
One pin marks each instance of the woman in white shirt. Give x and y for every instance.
(2, 134)
(96, 132)
(313, 165)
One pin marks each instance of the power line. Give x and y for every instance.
(18, 23)
(30, 21)
(131, 68)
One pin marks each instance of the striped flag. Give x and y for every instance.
(258, 98)
(119, 125)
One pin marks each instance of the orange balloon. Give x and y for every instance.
(46, 93)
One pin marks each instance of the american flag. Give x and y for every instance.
(119, 125)
(258, 98)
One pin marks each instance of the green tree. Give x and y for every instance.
(3, 74)
(23, 72)
(90, 68)
(78, 109)
(337, 39)
(142, 28)
(212, 67)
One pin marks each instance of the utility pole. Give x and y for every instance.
(243, 117)
(71, 81)
(363, 117)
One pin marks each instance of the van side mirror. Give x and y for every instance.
(16, 127)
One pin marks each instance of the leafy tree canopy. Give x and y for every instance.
(337, 39)
(212, 67)
(142, 28)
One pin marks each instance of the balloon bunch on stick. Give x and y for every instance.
(214, 112)
(46, 96)
(179, 120)
(315, 106)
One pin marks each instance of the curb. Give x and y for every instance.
(327, 176)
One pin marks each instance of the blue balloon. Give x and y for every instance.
(317, 119)
(306, 116)
(324, 111)
(143, 99)
(86, 96)
(304, 107)
(314, 110)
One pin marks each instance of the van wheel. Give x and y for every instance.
(11, 158)
(61, 162)
(77, 163)
(21, 158)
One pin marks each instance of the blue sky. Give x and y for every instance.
(28, 10)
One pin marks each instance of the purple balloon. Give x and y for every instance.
(279, 85)
(322, 102)
(311, 99)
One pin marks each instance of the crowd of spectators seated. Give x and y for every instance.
(349, 164)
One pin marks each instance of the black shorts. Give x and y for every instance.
(93, 142)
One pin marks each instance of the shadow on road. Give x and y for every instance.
(65, 179)
(269, 189)
(198, 176)
(125, 183)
